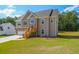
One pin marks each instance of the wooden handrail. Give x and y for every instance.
(29, 31)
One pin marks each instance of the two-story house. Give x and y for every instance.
(46, 22)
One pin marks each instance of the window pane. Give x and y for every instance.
(1, 29)
(42, 21)
(19, 24)
(8, 27)
(42, 31)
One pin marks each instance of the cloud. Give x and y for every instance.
(11, 6)
(7, 11)
(71, 8)
(17, 15)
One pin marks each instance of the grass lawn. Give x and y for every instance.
(66, 42)
(2, 36)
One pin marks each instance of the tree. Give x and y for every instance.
(61, 22)
(68, 21)
(71, 19)
(10, 20)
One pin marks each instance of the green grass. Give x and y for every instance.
(66, 42)
(2, 36)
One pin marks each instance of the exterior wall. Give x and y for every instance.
(1, 32)
(8, 29)
(54, 26)
(19, 26)
(43, 26)
(18, 23)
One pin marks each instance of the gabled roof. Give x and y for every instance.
(5, 24)
(25, 15)
(29, 14)
(43, 13)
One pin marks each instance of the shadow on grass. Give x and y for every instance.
(68, 37)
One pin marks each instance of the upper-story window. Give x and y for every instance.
(32, 21)
(1, 28)
(42, 21)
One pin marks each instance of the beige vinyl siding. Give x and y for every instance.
(43, 26)
(53, 26)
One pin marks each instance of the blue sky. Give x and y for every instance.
(18, 10)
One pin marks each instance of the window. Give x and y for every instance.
(8, 27)
(19, 24)
(42, 31)
(1, 29)
(42, 21)
(32, 21)
(25, 23)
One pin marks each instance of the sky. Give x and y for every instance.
(19, 10)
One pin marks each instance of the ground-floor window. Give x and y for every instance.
(1, 29)
(42, 31)
(8, 27)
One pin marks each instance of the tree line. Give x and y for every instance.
(8, 20)
(68, 21)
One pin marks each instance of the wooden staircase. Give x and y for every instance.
(30, 32)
